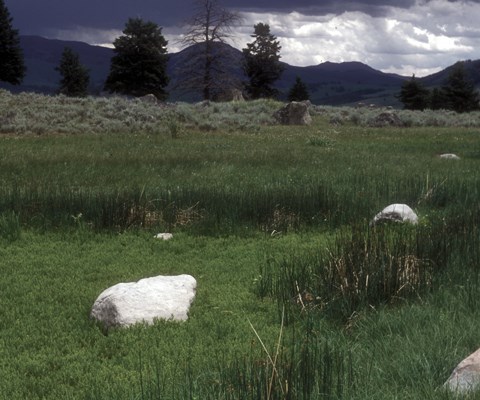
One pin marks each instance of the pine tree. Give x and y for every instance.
(438, 99)
(75, 77)
(262, 63)
(139, 65)
(414, 95)
(459, 91)
(12, 67)
(299, 91)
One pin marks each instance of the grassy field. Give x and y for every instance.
(297, 298)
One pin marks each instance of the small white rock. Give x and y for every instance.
(163, 236)
(449, 156)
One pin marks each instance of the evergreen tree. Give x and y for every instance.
(413, 95)
(75, 77)
(459, 91)
(438, 99)
(299, 91)
(262, 63)
(139, 65)
(12, 67)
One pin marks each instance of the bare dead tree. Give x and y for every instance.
(207, 70)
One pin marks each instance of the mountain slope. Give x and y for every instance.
(42, 56)
(472, 69)
(328, 83)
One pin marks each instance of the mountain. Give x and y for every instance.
(42, 56)
(328, 83)
(344, 83)
(472, 71)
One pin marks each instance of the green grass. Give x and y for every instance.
(272, 221)
(50, 348)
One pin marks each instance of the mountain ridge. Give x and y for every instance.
(329, 83)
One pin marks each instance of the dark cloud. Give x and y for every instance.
(35, 16)
(402, 36)
(316, 7)
(40, 16)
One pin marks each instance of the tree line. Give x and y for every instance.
(139, 64)
(457, 94)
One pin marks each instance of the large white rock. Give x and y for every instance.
(160, 297)
(466, 376)
(396, 213)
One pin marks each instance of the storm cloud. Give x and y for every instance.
(406, 36)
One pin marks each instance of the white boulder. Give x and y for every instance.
(396, 213)
(449, 156)
(163, 236)
(465, 377)
(159, 297)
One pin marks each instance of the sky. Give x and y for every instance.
(406, 37)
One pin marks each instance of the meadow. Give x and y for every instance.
(297, 298)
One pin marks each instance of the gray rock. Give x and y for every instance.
(160, 297)
(395, 213)
(148, 98)
(294, 113)
(465, 377)
(230, 94)
(387, 118)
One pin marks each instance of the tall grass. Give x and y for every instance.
(369, 313)
(10, 228)
(366, 267)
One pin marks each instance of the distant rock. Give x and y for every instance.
(449, 156)
(230, 94)
(203, 104)
(465, 377)
(395, 213)
(149, 98)
(160, 297)
(294, 113)
(387, 118)
(163, 236)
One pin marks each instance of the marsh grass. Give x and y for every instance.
(364, 267)
(10, 228)
(267, 218)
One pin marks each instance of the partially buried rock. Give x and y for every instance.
(395, 213)
(294, 113)
(449, 156)
(163, 236)
(465, 377)
(159, 297)
(149, 98)
(387, 118)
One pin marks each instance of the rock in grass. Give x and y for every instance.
(294, 113)
(395, 213)
(160, 297)
(465, 377)
(449, 156)
(163, 236)
(387, 118)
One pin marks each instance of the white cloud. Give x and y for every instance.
(422, 39)
(101, 37)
